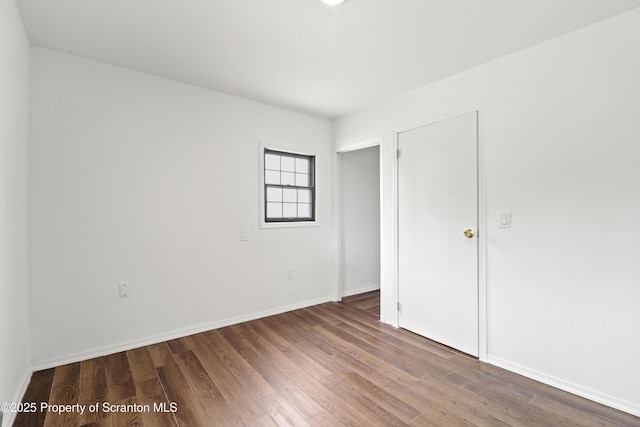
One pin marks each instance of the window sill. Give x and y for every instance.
(289, 224)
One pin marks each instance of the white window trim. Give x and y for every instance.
(293, 224)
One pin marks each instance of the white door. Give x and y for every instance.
(437, 232)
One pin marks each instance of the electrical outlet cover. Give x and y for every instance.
(124, 290)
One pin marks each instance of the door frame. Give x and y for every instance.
(482, 220)
(374, 142)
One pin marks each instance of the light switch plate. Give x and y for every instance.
(504, 219)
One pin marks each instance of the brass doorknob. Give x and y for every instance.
(468, 233)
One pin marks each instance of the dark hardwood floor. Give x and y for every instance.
(329, 365)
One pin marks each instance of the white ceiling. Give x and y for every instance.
(301, 54)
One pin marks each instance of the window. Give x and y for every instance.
(289, 187)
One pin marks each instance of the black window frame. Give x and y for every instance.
(312, 186)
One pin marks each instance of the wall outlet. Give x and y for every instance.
(291, 274)
(124, 290)
(244, 234)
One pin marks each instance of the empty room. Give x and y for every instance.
(319, 213)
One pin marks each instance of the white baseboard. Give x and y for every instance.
(606, 399)
(361, 290)
(178, 333)
(9, 417)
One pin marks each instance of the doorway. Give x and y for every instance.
(437, 232)
(359, 218)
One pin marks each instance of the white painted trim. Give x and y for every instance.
(361, 145)
(632, 408)
(373, 142)
(393, 318)
(435, 118)
(9, 417)
(383, 278)
(294, 150)
(482, 246)
(482, 243)
(336, 285)
(103, 351)
(361, 290)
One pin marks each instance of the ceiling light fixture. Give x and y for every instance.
(332, 2)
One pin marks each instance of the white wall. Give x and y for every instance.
(142, 179)
(360, 220)
(14, 90)
(560, 134)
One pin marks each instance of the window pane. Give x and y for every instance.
(274, 210)
(302, 180)
(288, 178)
(304, 196)
(288, 164)
(289, 195)
(304, 210)
(302, 165)
(272, 161)
(274, 194)
(271, 177)
(289, 210)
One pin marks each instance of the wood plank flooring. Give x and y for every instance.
(329, 365)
